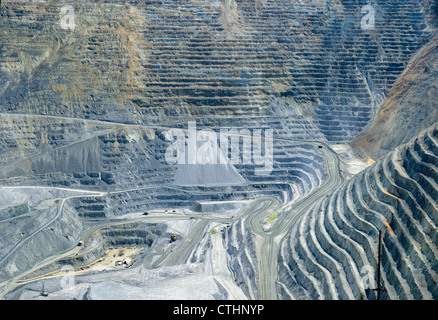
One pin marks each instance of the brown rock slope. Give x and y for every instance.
(306, 68)
(411, 106)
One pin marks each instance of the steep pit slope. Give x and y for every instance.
(411, 107)
(331, 253)
(307, 68)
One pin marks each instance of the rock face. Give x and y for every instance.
(332, 252)
(310, 69)
(88, 109)
(307, 70)
(36, 212)
(207, 175)
(411, 107)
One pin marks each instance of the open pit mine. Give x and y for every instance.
(221, 149)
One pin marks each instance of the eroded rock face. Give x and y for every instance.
(88, 108)
(411, 106)
(322, 67)
(307, 70)
(331, 253)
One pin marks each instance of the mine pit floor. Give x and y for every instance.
(114, 258)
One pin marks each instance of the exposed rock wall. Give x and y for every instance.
(50, 151)
(19, 253)
(330, 252)
(411, 107)
(75, 106)
(239, 242)
(224, 63)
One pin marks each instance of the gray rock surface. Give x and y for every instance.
(410, 107)
(84, 116)
(331, 253)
